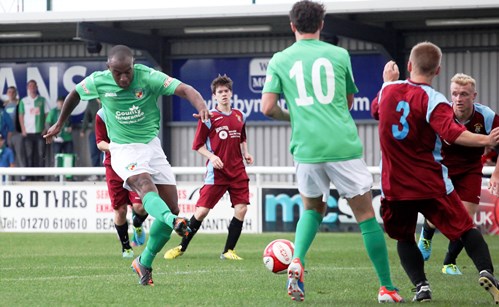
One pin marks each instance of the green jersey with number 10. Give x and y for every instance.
(132, 114)
(315, 78)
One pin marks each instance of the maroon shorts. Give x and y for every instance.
(447, 213)
(117, 193)
(468, 186)
(209, 195)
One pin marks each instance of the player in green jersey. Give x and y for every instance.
(316, 80)
(129, 93)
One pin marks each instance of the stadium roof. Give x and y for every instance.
(378, 21)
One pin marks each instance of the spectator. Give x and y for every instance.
(6, 125)
(33, 110)
(16, 139)
(6, 155)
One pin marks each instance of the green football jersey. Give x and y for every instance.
(315, 78)
(36, 109)
(132, 114)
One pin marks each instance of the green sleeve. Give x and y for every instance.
(21, 107)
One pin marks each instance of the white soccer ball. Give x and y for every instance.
(278, 255)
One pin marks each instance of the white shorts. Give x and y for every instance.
(351, 178)
(136, 158)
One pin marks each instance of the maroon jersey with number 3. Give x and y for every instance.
(411, 165)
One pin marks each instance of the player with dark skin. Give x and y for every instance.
(129, 93)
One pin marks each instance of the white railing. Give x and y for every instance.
(258, 171)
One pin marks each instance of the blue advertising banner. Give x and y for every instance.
(282, 207)
(248, 75)
(54, 79)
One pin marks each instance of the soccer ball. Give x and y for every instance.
(278, 255)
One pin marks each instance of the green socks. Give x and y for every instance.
(306, 229)
(374, 241)
(159, 234)
(157, 208)
(161, 228)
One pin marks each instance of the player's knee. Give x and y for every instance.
(240, 210)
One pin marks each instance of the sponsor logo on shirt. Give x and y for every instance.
(168, 81)
(84, 87)
(110, 95)
(139, 93)
(478, 128)
(132, 166)
(34, 111)
(222, 135)
(133, 115)
(222, 132)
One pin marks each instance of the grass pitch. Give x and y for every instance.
(88, 270)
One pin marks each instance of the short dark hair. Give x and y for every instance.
(12, 88)
(307, 16)
(119, 52)
(221, 81)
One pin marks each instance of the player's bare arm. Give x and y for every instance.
(478, 140)
(70, 103)
(270, 107)
(194, 97)
(246, 155)
(214, 159)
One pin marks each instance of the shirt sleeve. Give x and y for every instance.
(162, 83)
(86, 88)
(272, 81)
(202, 133)
(100, 130)
(21, 107)
(375, 108)
(442, 121)
(350, 83)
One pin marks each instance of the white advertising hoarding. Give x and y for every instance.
(87, 208)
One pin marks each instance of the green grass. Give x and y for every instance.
(87, 270)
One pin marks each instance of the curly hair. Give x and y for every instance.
(307, 16)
